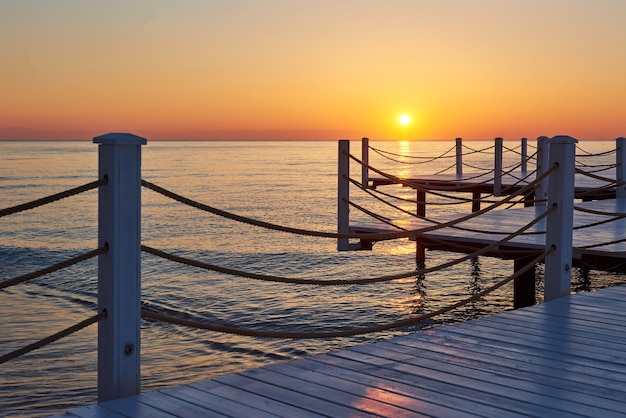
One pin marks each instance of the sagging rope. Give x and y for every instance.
(337, 334)
(427, 159)
(376, 216)
(55, 267)
(366, 236)
(432, 221)
(53, 198)
(589, 154)
(335, 282)
(475, 151)
(52, 338)
(383, 153)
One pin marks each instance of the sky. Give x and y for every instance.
(312, 69)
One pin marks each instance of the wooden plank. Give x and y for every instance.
(240, 389)
(521, 366)
(342, 399)
(216, 403)
(504, 384)
(176, 406)
(508, 387)
(452, 387)
(133, 407)
(93, 411)
(434, 403)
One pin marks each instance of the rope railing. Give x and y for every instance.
(52, 198)
(55, 267)
(413, 185)
(376, 216)
(385, 154)
(477, 151)
(415, 215)
(52, 338)
(366, 236)
(192, 323)
(589, 154)
(335, 282)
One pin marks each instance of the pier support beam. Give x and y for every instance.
(459, 156)
(365, 157)
(497, 164)
(343, 195)
(541, 192)
(559, 224)
(119, 269)
(524, 154)
(620, 169)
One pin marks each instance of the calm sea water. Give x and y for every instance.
(287, 183)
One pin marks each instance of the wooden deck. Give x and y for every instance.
(584, 186)
(510, 220)
(562, 358)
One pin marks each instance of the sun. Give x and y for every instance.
(404, 119)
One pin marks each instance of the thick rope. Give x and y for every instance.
(55, 267)
(48, 340)
(414, 215)
(385, 154)
(367, 236)
(336, 334)
(475, 151)
(616, 215)
(335, 282)
(589, 154)
(52, 198)
(376, 216)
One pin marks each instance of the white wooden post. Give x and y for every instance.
(524, 153)
(343, 195)
(620, 169)
(541, 192)
(119, 269)
(559, 224)
(497, 164)
(459, 156)
(365, 157)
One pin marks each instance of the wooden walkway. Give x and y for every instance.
(606, 257)
(585, 187)
(562, 358)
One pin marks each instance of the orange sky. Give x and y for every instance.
(312, 69)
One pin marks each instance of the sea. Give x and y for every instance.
(289, 183)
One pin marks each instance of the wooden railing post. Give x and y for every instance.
(524, 153)
(620, 168)
(365, 157)
(343, 195)
(119, 269)
(459, 156)
(497, 164)
(559, 223)
(541, 192)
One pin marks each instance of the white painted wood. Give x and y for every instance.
(459, 156)
(620, 169)
(559, 223)
(343, 195)
(365, 157)
(541, 192)
(497, 165)
(119, 269)
(524, 155)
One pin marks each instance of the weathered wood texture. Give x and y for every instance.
(561, 358)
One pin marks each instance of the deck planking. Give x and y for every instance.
(561, 358)
(498, 223)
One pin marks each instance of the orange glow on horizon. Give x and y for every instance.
(201, 70)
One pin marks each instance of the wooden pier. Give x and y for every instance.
(561, 358)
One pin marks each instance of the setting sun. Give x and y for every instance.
(405, 119)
